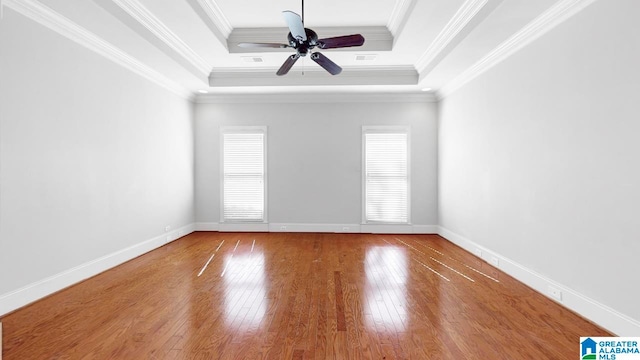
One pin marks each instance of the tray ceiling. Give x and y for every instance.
(411, 45)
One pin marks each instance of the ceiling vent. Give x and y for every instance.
(368, 57)
(252, 59)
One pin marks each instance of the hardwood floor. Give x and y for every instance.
(298, 296)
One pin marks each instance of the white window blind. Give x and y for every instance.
(386, 177)
(243, 176)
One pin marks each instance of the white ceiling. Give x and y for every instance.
(417, 43)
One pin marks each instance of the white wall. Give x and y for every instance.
(94, 161)
(539, 161)
(315, 155)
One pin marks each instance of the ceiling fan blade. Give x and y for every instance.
(296, 27)
(327, 64)
(284, 69)
(263, 45)
(341, 41)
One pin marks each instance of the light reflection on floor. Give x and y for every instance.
(385, 291)
(245, 286)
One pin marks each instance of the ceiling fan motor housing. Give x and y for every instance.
(303, 47)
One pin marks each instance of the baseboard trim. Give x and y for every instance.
(207, 226)
(35, 291)
(425, 229)
(243, 227)
(600, 314)
(320, 228)
(386, 229)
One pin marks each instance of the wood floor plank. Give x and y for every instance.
(298, 296)
(341, 322)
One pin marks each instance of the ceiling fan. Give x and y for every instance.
(304, 40)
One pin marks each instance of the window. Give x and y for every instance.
(386, 174)
(243, 174)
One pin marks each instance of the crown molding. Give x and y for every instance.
(216, 15)
(212, 15)
(554, 16)
(46, 17)
(459, 21)
(155, 26)
(377, 38)
(396, 75)
(317, 97)
(399, 16)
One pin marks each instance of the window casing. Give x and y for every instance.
(386, 170)
(243, 174)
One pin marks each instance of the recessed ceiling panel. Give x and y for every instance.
(259, 13)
